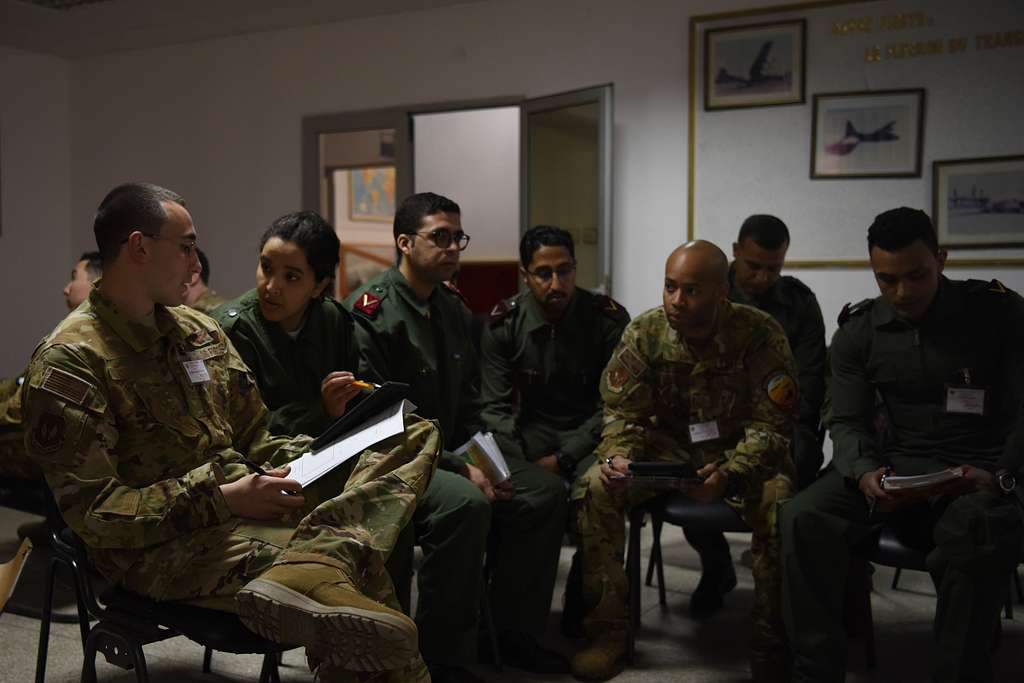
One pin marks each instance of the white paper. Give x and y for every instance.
(196, 371)
(964, 400)
(486, 444)
(310, 466)
(703, 431)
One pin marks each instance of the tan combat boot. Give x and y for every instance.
(602, 659)
(315, 605)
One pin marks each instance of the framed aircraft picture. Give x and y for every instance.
(756, 65)
(979, 203)
(874, 134)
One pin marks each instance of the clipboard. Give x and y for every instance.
(379, 400)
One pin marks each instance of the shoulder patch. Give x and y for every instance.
(500, 312)
(368, 303)
(65, 385)
(611, 308)
(850, 311)
(782, 390)
(48, 433)
(998, 287)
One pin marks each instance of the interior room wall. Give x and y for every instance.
(220, 120)
(35, 244)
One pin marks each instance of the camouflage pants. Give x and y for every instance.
(601, 517)
(353, 531)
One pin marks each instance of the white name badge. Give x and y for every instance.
(196, 370)
(703, 431)
(964, 400)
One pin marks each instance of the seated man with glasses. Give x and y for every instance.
(411, 327)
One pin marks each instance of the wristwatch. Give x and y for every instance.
(1007, 482)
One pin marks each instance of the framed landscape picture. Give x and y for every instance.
(756, 65)
(979, 203)
(873, 134)
(371, 194)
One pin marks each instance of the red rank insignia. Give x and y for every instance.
(368, 303)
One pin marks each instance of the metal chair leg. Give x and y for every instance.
(44, 624)
(896, 578)
(655, 557)
(636, 520)
(492, 636)
(269, 673)
(207, 659)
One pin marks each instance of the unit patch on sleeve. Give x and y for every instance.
(368, 303)
(48, 433)
(782, 390)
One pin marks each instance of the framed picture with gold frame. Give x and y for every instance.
(979, 203)
(755, 65)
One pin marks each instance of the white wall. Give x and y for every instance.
(220, 120)
(35, 247)
(473, 158)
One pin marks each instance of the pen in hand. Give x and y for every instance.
(259, 472)
(364, 385)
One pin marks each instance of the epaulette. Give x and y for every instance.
(368, 303)
(611, 308)
(997, 287)
(455, 290)
(850, 311)
(501, 311)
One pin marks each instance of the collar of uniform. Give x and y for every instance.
(882, 312)
(737, 295)
(134, 333)
(535, 319)
(405, 290)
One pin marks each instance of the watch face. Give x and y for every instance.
(1007, 482)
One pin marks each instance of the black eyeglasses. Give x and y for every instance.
(188, 248)
(443, 238)
(544, 274)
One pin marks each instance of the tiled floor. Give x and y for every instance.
(671, 647)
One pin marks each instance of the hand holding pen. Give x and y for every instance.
(338, 388)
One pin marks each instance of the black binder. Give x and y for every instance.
(379, 400)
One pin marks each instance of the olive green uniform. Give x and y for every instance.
(289, 371)
(428, 345)
(658, 390)
(794, 306)
(973, 336)
(137, 425)
(540, 379)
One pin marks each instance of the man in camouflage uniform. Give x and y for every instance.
(146, 424)
(926, 376)
(14, 461)
(701, 381)
(411, 327)
(200, 296)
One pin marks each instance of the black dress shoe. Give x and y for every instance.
(440, 673)
(522, 651)
(707, 598)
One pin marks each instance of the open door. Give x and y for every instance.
(566, 167)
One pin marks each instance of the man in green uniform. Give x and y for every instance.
(700, 381)
(412, 328)
(944, 362)
(146, 424)
(543, 353)
(292, 334)
(755, 279)
(200, 296)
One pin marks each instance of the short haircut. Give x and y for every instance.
(899, 228)
(313, 235)
(204, 263)
(768, 232)
(93, 264)
(127, 208)
(415, 208)
(543, 236)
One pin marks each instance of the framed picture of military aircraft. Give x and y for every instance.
(873, 134)
(979, 203)
(755, 65)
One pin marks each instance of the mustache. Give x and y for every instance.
(554, 296)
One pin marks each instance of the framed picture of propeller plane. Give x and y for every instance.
(874, 134)
(756, 65)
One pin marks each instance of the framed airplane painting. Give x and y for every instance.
(874, 134)
(756, 65)
(979, 203)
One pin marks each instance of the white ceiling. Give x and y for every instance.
(114, 25)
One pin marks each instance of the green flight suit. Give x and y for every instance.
(657, 390)
(541, 380)
(794, 306)
(289, 371)
(972, 335)
(137, 425)
(428, 345)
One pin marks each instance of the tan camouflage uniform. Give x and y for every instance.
(208, 301)
(14, 462)
(135, 454)
(654, 387)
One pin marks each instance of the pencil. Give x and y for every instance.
(364, 385)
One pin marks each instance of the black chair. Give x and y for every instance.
(125, 622)
(677, 509)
